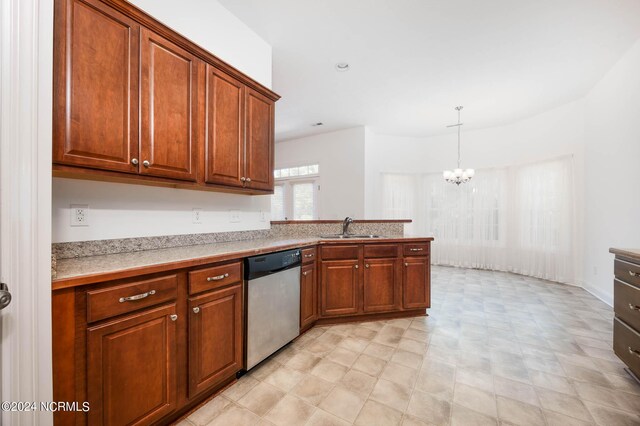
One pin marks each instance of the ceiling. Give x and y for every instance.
(412, 61)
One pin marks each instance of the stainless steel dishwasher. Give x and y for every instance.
(273, 303)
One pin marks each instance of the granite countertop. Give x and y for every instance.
(87, 270)
(631, 253)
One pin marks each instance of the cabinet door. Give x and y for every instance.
(308, 295)
(224, 148)
(169, 90)
(381, 285)
(415, 283)
(340, 287)
(131, 368)
(215, 338)
(95, 87)
(259, 149)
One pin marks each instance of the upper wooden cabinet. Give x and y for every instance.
(259, 141)
(136, 102)
(96, 72)
(169, 91)
(224, 149)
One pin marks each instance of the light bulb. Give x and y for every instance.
(457, 172)
(470, 172)
(446, 174)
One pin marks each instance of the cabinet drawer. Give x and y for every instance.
(214, 277)
(416, 249)
(626, 344)
(627, 271)
(308, 255)
(626, 303)
(112, 301)
(380, 250)
(340, 252)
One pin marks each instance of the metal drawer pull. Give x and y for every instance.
(217, 277)
(416, 249)
(305, 273)
(243, 179)
(634, 307)
(366, 265)
(634, 274)
(406, 264)
(248, 179)
(308, 255)
(634, 352)
(137, 296)
(356, 266)
(196, 310)
(173, 317)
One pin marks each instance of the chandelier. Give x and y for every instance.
(458, 175)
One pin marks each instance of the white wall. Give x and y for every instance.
(612, 153)
(340, 155)
(552, 134)
(210, 25)
(120, 211)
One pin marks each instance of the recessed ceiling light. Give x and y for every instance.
(319, 123)
(342, 66)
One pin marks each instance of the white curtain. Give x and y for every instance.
(518, 219)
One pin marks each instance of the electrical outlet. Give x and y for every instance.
(234, 216)
(197, 215)
(263, 216)
(79, 214)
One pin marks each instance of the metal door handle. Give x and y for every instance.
(406, 264)
(243, 179)
(634, 352)
(634, 274)
(134, 161)
(366, 265)
(248, 179)
(5, 296)
(308, 255)
(217, 277)
(173, 317)
(415, 249)
(146, 163)
(356, 266)
(634, 307)
(196, 310)
(305, 273)
(137, 296)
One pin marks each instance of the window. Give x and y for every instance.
(295, 195)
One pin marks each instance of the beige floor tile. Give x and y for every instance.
(359, 382)
(406, 358)
(284, 378)
(303, 361)
(354, 344)
(329, 371)
(429, 408)
(290, 411)
(408, 420)
(235, 415)
(606, 416)
(343, 403)
(378, 350)
(557, 419)
(476, 379)
(264, 369)
(342, 356)
(585, 374)
(412, 346)
(261, 398)
(240, 388)
(312, 389)
(438, 384)
(552, 382)
(462, 416)
(322, 418)
(375, 414)
(400, 374)
(475, 399)
(209, 411)
(391, 394)
(515, 390)
(519, 413)
(563, 403)
(363, 333)
(370, 365)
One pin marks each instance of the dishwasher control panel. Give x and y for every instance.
(259, 266)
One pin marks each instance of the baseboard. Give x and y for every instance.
(605, 297)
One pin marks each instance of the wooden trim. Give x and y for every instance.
(631, 254)
(296, 222)
(372, 317)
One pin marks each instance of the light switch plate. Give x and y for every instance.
(79, 214)
(263, 216)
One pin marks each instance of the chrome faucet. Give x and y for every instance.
(345, 225)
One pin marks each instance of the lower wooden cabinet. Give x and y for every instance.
(215, 338)
(415, 283)
(131, 368)
(308, 295)
(381, 282)
(340, 287)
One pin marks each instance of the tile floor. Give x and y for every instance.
(497, 348)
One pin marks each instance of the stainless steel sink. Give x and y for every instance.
(347, 236)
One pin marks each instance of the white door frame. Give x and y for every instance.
(26, 69)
